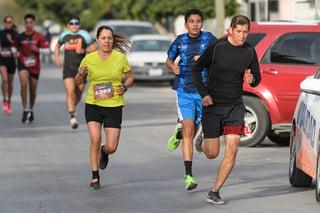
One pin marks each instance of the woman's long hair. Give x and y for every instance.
(120, 42)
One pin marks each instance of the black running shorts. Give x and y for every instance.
(219, 120)
(111, 117)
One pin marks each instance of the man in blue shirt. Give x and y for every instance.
(188, 46)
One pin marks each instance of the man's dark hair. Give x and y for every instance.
(30, 15)
(192, 12)
(240, 20)
(74, 17)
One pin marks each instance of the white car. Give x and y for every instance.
(304, 166)
(147, 57)
(126, 27)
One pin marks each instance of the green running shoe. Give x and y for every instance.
(176, 138)
(190, 182)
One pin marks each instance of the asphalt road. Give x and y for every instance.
(44, 166)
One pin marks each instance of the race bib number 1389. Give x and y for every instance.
(103, 91)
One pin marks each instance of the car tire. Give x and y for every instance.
(297, 177)
(318, 179)
(256, 120)
(280, 139)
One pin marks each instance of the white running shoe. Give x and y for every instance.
(74, 123)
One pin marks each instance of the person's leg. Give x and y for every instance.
(33, 91)
(94, 153)
(4, 83)
(24, 76)
(232, 142)
(112, 140)
(71, 96)
(10, 85)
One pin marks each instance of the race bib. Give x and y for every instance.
(103, 91)
(30, 61)
(5, 52)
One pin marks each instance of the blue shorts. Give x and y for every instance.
(189, 106)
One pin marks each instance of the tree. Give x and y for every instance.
(92, 11)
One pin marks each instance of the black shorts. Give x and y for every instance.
(10, 63)
(71, 73)
(22, 67)
(219, 120)
(111, 117)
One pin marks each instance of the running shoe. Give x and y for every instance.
(5, 106)
(74, 123)
(197, 140)
(104, 158)
(190, 182)
(8, 108)
(176, 138)
(214, 197)
(25, 117)
(95, 185)
(30, 116)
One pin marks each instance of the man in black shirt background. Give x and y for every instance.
(227, 60)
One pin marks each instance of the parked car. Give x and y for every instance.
(304, 166)
(126, 28)
(147, 57)
(287, 53)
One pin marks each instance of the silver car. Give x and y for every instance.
(147, 57)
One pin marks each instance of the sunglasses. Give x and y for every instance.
(74, 23)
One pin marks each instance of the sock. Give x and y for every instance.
(188, 167)
(72, 114)
(95, 174)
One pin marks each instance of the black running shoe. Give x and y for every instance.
(104, 158)
(30, 116)
(95, 185)
(214, 197)
(197, 140)
(25, 117)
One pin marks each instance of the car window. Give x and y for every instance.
(132, 30)
(150, 45)
(295, 48)
(254, 38)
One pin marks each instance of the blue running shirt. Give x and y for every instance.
(187, 47)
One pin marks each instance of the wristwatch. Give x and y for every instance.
(125, 87)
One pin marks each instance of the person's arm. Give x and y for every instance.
(255, 71)
(172, 66)
(91, 48)
(57, 54)
(129, 81)
(78, 79)
(204, 61)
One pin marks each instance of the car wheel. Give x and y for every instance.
(256, 120)
(318, 180)
(297, 177)
(280, 139)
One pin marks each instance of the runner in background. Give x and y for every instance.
(76, 43)
(7, 62)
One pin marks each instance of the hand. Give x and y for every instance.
(207, 100)
(58, 62)
(248, 77)
(176, 69)
(34, 48)
(82, 70)
(9, 38)
(196, 57)
(121, 90)
(79, 50)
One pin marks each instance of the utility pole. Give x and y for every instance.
(220, 16)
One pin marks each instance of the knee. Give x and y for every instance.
(110, 148)
(211, 154)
